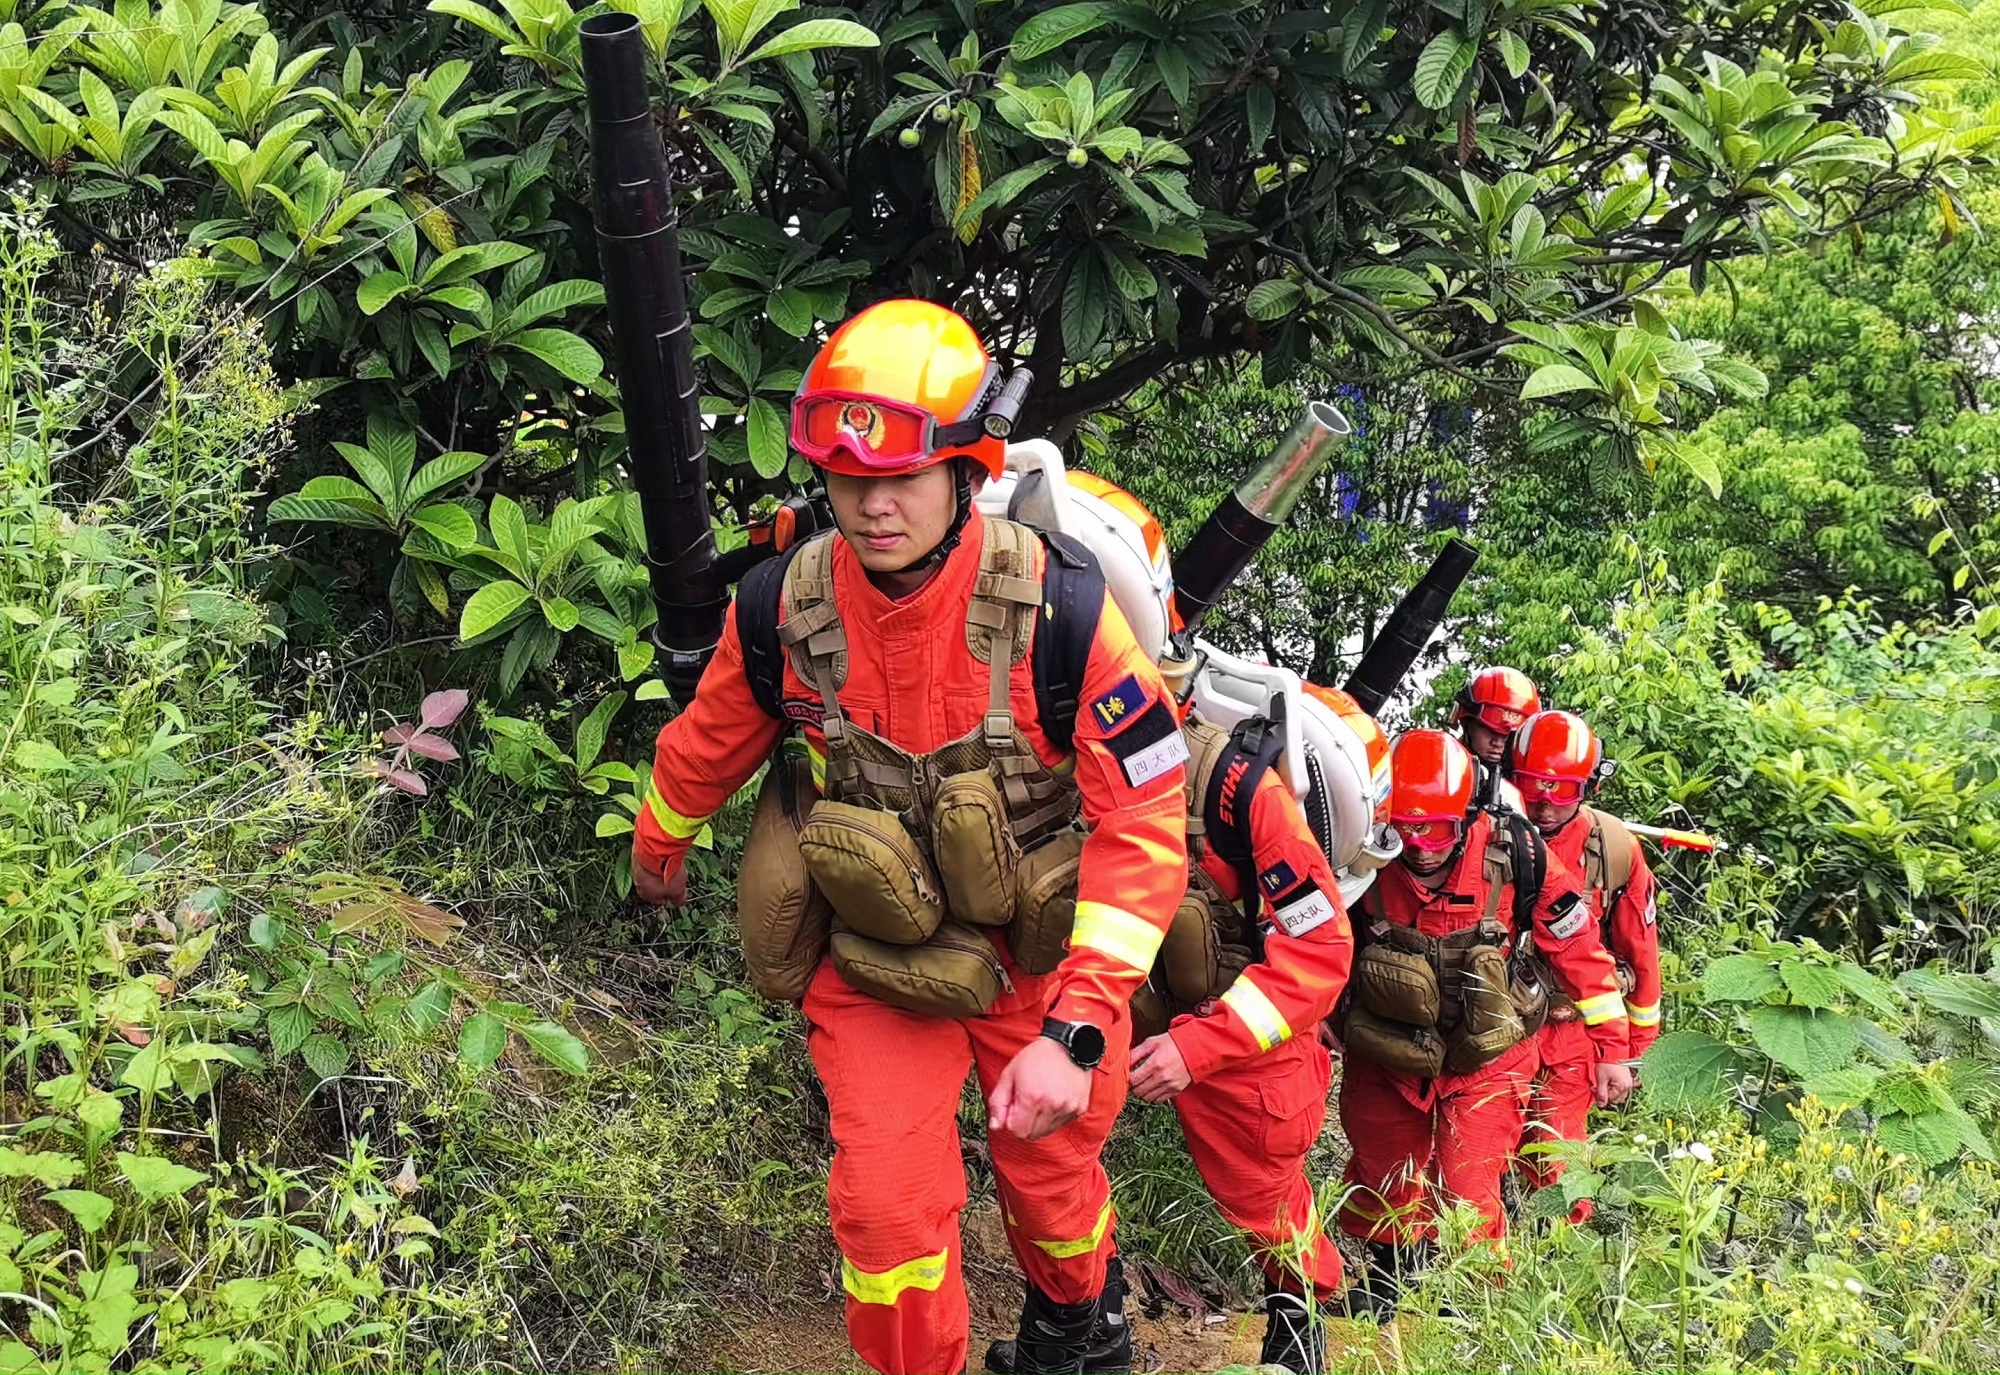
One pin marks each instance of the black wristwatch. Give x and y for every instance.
(1084, 1042)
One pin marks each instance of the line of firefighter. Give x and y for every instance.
(971, 851)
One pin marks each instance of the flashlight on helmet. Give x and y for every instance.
(998, 421)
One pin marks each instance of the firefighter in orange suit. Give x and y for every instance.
(1489, 709)
(1557, 762)
(1248, 1075)
(890, 411)
(1452, 892)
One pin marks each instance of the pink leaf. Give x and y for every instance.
(440, 709)
(408, 782)
(432, 747)
(399, 734)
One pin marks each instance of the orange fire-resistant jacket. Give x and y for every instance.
(1308, 944)
(1630, 930)
(912, 680)
(1565, 927)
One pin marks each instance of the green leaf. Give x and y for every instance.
(1910, 1091)
(613, 824)
(816, 33)
(1513, 51)
(298, 506)
(557, 1046)
(441, 472)
(560, 613)
(1811, 985)
(90, 1210)
(325, 1055)
(567, 353)
(50, 1169)
(449, 523)
(1051, 29)
(470, 261)
(481, 1040)
(769, 442)
(428, 1007)
(592, 729)
(1004, 190)
(1842, 1088)
(490, 608)
(1685, 1071)
(1273, 300)
(1697, 459)
(1739, 979)
(1261, 108)
(289, 1027)
(1554, 379)
(154, 1177)
(377, 291)
(1963, 995)
(1441, 68)
(1932, 1137)
(1804, 1041)
(791, 311)
(39, 756)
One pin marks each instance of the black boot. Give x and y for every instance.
(1373, 1294)
(1294, 1336)
(1105, 1349)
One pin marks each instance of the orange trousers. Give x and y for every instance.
(893, 1081)
(1559, 1106)
(1413, 1138)
(1248, 1129)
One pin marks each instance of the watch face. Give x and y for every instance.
(1086, 1044)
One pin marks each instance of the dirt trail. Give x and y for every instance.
(808, 1335)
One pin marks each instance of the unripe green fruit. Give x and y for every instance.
(909, 138)
(942, 113)
(1077, 157)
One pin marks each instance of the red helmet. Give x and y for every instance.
(1556, 758)
(1430, 790)
(901, 386)
(1501, 699)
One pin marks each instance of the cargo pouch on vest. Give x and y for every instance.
(1502, 1002)
(1045, 902)
(976, 854)
(1393, 1045)
(871, 870)
(1201, 954)
(956, 973)
(781, 915)
(1397, 985)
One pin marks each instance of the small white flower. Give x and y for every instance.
(1678, 1153)
(1843, 1174)
(1640, 1138)
(1700, 1151)
(1852, 1285)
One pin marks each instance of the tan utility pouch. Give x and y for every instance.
(1628, 979)
(975, 850)
(782, 917)
(872, 872)
(1045, 902)
(1190, 954)
(1150, 1015)
(1393, 1045)
(1490, 1024)
(956, 973)
(1399, 985)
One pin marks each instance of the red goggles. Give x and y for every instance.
(1503, 719)
(890, 435)
(1537, 788)
(1431, 835)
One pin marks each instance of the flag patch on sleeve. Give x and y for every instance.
(1279, 878)
(1120, 706)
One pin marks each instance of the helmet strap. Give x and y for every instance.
(961, 476)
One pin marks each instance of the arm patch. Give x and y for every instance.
(1150, 745)
(1117, 708)
(1568, 915)
(1308, 912)
(1279, 878)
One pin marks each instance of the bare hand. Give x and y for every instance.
(1614, 1083)
(1041, 1090)
(656, 891)
(1158, 1069)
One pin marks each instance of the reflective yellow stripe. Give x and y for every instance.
(1082, 1246)
(1643, 1015)
(886, 1286)
(1602, 1008)
(817, 759)
(1128, 939)
(1258, 1012)
(672, 822)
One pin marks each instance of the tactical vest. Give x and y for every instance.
(1430, 1005)
(1212, 939)
(1607, 870)
(910, 855)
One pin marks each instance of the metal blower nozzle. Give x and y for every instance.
(1271, 489)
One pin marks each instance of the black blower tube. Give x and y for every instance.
(1245, 520)
(1409, 627)
(638, 251)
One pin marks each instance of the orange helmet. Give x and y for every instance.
(1431, 786)
(1501, 699)
(902, 386)
(1373, 740)
(1556, 758)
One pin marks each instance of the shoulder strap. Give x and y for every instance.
(1072, 599)
(1514, 855)
(1234, 777)
(1614, 845)
(811, 631)
(1206, 744)
(757, 630)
